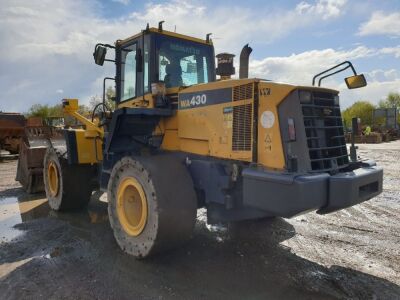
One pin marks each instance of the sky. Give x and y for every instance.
(47, 45)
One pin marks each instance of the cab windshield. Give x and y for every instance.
(184, 63)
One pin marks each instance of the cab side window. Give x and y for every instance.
(128, 73)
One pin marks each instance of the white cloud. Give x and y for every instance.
(383, 75)
(325, 8)
(52, 43)
(72, 27)
(299, 69)
(124, 2)
(392, 50)
(52, 40)
(382, 23)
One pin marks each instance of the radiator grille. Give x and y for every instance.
(324, 131)
(242, 92)
(241, 127)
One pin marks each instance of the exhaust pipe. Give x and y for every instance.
(244, 62)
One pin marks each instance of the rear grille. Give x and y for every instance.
(241, 128)
(324, 131)
(243, 92)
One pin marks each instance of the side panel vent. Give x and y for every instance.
(241, 128)
(243, 92)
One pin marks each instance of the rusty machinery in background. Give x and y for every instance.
(28, 137)
(11, 130)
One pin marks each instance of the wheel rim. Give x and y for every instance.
(131, 206)
(52, 178)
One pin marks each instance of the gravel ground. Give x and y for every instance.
(351, 254)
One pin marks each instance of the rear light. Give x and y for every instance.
(291, 129)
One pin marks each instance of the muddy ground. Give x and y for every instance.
(351, 254)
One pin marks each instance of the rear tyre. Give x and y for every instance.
(67, 186)
(152, 204)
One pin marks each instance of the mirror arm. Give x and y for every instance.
(349, 64)
(104, 45)
(330, 74)
(109, 60)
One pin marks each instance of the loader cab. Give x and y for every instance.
(161, 56)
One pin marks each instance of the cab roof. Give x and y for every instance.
(167, 33)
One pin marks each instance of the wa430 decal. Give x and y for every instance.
(204, 98)
(196, 100)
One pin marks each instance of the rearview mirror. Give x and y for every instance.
(356, 81)
(99, 55)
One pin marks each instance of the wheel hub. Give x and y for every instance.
(131, 206)
(52, 178)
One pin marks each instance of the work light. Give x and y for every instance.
(305, 97)
(336, 100)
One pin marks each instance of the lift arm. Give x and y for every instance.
(70, 107)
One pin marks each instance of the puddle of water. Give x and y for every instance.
(9, 217)
(14, 211)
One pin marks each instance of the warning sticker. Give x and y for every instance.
(267, 119)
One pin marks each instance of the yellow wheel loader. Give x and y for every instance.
(181, 139)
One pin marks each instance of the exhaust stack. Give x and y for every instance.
(244, 61)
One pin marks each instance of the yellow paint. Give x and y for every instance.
(70, 107)
(270, 148)
(205, 130)
(52, 178)
(194, 146)
(145, 101)
(131, 206)
(89, 140)
(171, 140)
(86, 148)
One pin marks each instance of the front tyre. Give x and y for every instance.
(149, 210)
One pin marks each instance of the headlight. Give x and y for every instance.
(305, 97)
(336, 100)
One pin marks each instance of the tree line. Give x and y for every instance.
(46, 111)
(364, 110)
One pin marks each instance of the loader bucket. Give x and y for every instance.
(32, 151)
